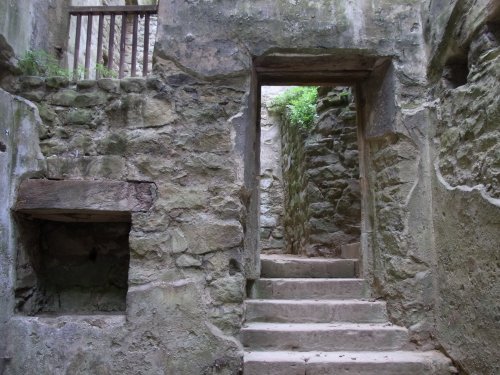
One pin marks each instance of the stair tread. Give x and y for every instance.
(307, 327)
(311, 280)
(338, 302)
(278, 258)
(344, 356)
(280, 266)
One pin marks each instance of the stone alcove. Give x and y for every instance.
(73, 251)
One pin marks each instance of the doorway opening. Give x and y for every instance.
(310, 199)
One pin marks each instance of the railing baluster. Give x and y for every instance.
(88, 45)
(124, 65)
(77, 46)
(122, 45)
(134, 45)
(146, 46)
(99, 43)
(111, 45)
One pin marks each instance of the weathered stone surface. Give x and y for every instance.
(228, 289)
(109, 84)
(187, 261)
(271, 179)
(56, 82)
(80, 117)
(322, 205)
(132, 84)
(85, 84)
(206, 235)
(20, 157)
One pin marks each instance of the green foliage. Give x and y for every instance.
(40, 63)
(103, 71)
(298, 104)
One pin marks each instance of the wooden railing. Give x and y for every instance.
(113, 12)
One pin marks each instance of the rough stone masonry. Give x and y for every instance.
(429, 174)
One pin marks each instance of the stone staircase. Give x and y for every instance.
(311, 316)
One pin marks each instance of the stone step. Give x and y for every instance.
(286, 266)
(296, 288)
(323, 336)
(322, 311)
(348, 363)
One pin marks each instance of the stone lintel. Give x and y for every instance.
(73, 200)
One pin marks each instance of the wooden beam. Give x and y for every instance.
(83, 199)
(145, 9)
(312, 78)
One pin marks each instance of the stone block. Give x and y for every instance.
(64, 98)
(85, 84)
(90, 99)
(35, 95)
(57, 82)
(186, 260)
(79, 117)
(133, 84)
(205, 235)
(110, 85)
(30, 82)
(90, 167)
(229, 289)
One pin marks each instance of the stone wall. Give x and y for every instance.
(321, 178)
(332, 166)
(185, 280)
(295, 219)
(226, 38)
(20, 158)
(271, 178)
(464, 70)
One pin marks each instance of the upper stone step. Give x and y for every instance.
(352, 363)
(287, 266)
(323, 337)
(296, 288)
(308, 311)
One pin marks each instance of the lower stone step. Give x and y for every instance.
(286, 266)
(323, 337)
(309, 311)
(308, 288)
(347, 363)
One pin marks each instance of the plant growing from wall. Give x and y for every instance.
(298, 104)
(40, 63)
(104, 72)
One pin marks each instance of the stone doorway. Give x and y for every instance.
(310, 202)
(371, 79)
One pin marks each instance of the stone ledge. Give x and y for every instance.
(76, 200)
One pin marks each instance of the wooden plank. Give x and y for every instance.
(88, 45)
(50, 197)
(122, 45)
(312, 78)
(145, 59)
(304, 63)
(134, 45)
(111, 42)
(100, 31)
(77, 46)
(108, 10)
